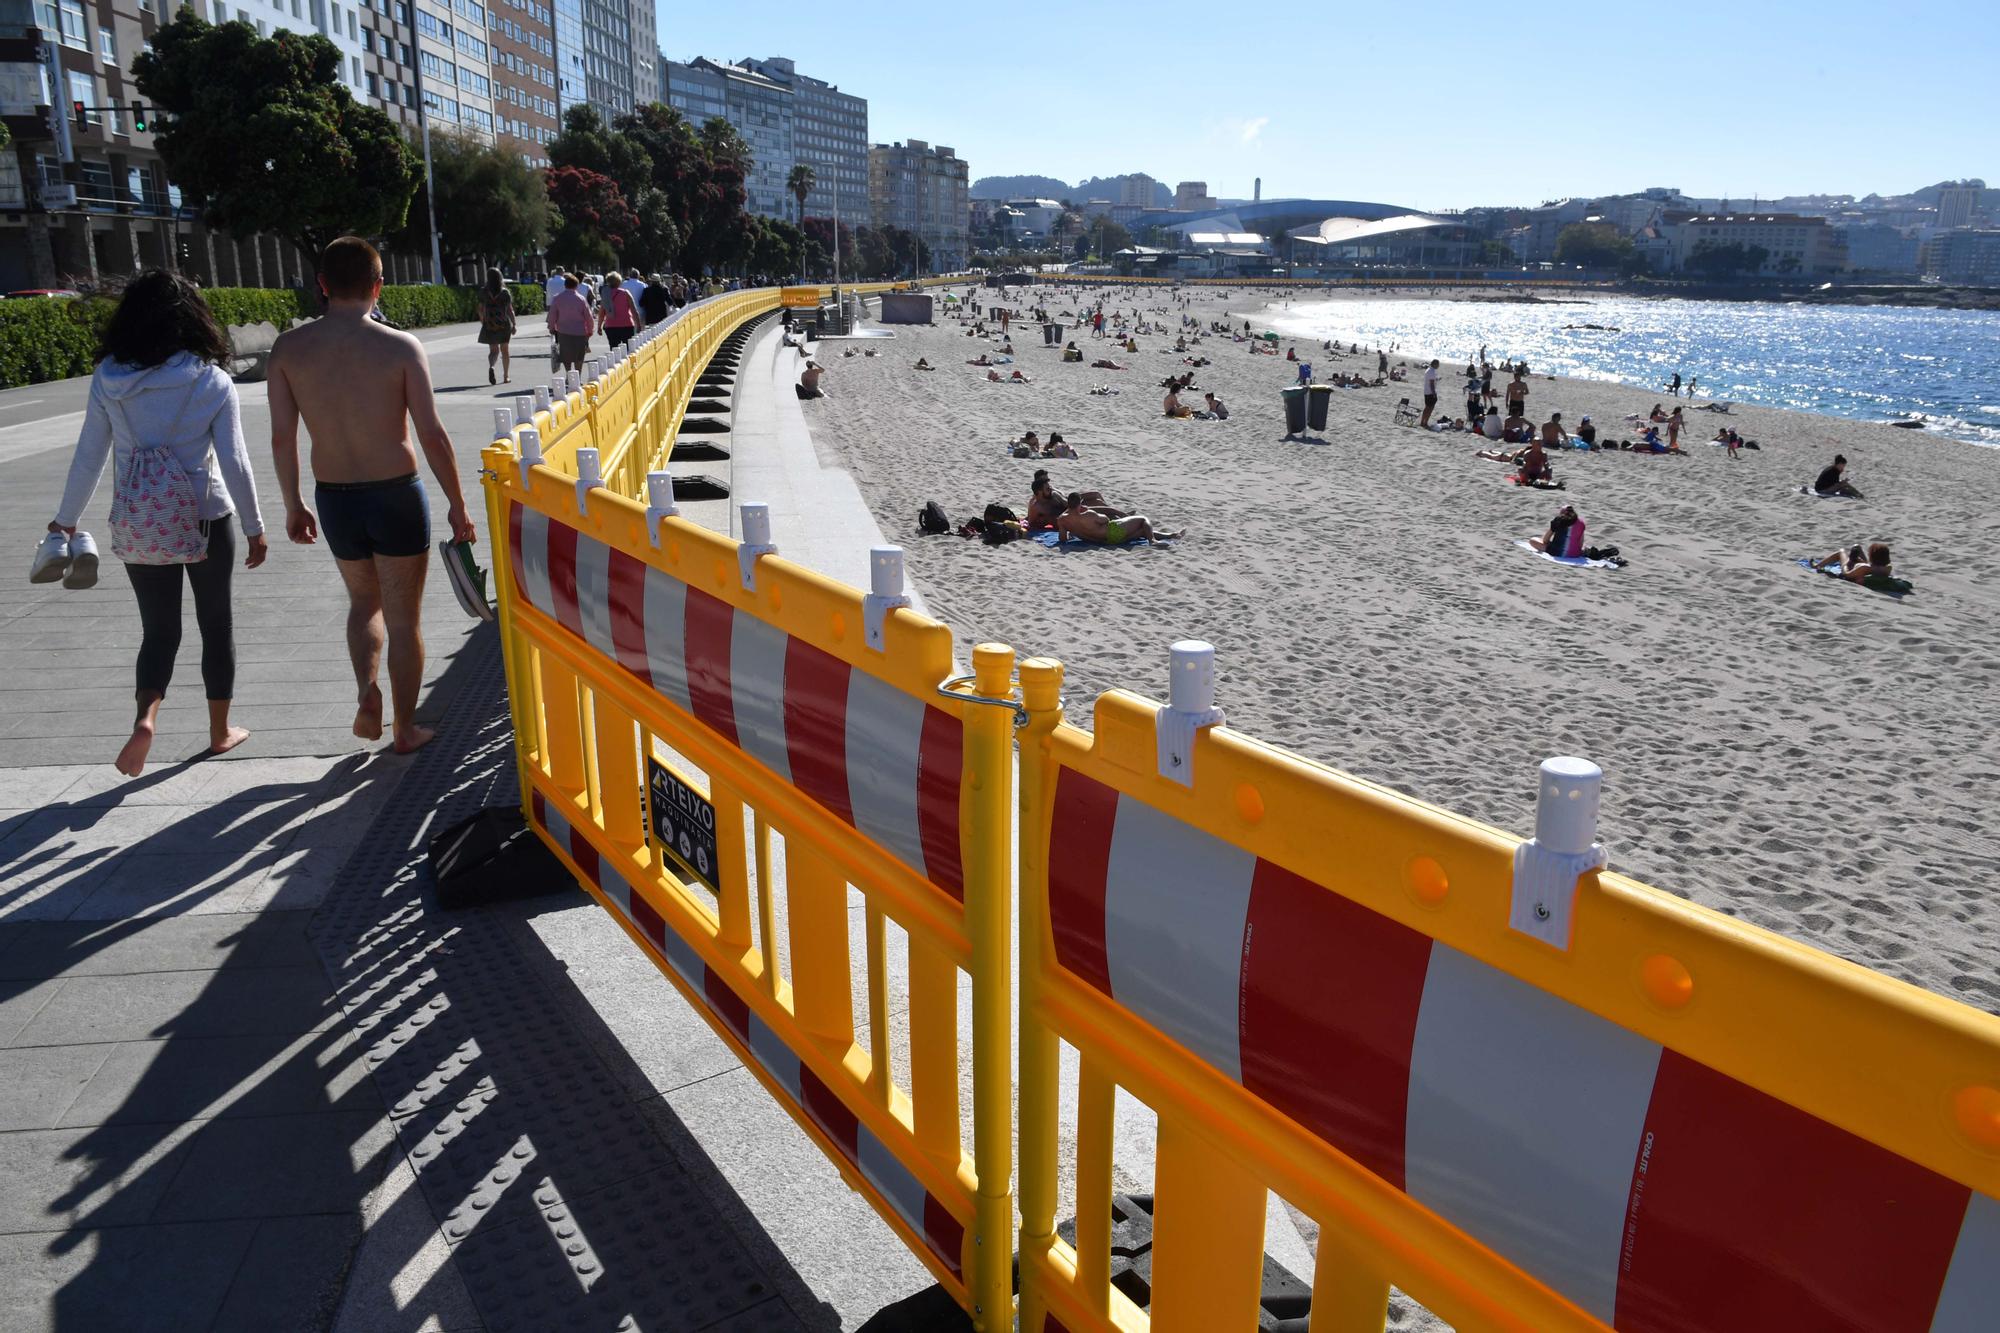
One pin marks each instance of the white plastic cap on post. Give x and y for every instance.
(1190, 708)
(756, 520)
(1564, 848)
(885, 571)
(524, 410)
(885, 592)
(531, 446)
(1192, 688)
(659, 503)
(503, 421)
(544, 395)
(1567, 804)
(572, 382)
(587, 477)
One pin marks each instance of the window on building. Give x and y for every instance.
(107, 45)
(356, 62)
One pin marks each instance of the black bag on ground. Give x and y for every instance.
(999, 513)
(932, 521)
(493, 857)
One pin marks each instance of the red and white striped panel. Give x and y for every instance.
(884, 761)
(922, 1212)
(1654, 1192)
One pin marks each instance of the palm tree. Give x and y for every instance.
(800, 182)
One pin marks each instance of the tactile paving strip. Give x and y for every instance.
(565, 1208)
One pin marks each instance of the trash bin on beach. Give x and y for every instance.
(1295, 409)
(1317, 397)
(1051, 334)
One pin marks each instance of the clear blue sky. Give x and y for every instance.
(1434, 106)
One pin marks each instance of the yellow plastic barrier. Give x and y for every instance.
(1676, 1122)
(1613, 1110)
(828, 763)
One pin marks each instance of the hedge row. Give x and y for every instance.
(54, 339)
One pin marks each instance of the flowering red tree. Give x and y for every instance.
(596, 219)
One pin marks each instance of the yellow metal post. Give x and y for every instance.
(513, 650)
(1041, 690)
(988, 853)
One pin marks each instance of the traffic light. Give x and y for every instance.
(82, 113)
(139, 118)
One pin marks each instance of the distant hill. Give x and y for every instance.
(1019, 187)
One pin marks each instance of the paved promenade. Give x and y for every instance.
(251, 1077)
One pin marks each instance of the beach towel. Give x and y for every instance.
(1575, 561)
(1055, 542)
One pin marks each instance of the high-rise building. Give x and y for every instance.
(645, 49)
(1136, 190)
(921, 189)
(521, 39)
(455, 79)
(1955, 206)
(613, 66)
(758, 106)
(1193, 197)
(1964, 255)
(829, 134)
(787, 118)
(572, 87)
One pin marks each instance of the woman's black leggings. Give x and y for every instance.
(158, 588)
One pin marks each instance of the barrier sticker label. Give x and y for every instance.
(683, 822)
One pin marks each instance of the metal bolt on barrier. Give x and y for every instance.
(587, 478)
(659, 503)
(885, 580)
(1564, 848)
(756, 540)
(1190, 707)
(531, 447)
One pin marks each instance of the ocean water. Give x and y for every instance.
(1875, 363)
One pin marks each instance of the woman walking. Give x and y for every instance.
(497, 325)
(617, 316)
(166, 416)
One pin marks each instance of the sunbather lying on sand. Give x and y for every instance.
(1079, 522)
(1105, 365)
(1855, 565)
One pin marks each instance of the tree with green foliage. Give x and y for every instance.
(819, 243)
(800, 181)
(1725, 261)
(657, 241)
(1593, 245)
(776, 248)
(261, 136)
(491, 206)
(597, 222)
(587, 143)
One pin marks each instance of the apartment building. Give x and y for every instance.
(1792, 244)
(922, 189)
(455, 73)
(611, 56)
(787, 118)
(521, 47)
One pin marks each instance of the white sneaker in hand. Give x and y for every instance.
(82, 561)
(51, 559)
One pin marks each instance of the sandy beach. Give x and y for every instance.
(1778, 745)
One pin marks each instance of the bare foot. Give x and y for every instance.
(411, 739)
(131, 760)
(368, 717)
(230, 738)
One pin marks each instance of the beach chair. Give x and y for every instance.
(1405, 414)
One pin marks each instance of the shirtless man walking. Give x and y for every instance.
(358, 385)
